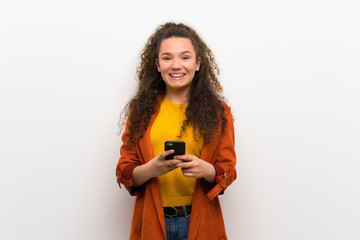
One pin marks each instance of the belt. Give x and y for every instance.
(176, 211)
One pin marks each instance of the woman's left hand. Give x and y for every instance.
(192, 166)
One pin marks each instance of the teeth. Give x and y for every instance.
(177, 75)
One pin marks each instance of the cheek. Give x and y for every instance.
(192, 67)
(162, 67)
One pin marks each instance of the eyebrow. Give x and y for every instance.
(167, 53)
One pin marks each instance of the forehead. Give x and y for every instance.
(176, 45)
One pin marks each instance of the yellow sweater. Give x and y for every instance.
(176, 190)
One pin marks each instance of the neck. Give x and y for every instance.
(177, 96)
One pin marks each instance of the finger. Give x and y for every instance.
(184, 165)
(165, 153)
(189, 174)
(173, 162)
(186, 170)
(187, 158)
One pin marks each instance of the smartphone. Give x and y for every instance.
(178, 146)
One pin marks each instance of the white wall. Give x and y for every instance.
(290, 71)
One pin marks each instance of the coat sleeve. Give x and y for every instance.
(127, 162)
(224, 159)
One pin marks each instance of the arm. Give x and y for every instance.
(128, 161)
(132, 173)
(192, 166)
(220, 173)
(224, 158)
(155, 167)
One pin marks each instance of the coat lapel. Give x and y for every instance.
(148, 154)
(199, 201)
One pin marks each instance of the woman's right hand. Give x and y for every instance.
(155, 167)
(159, 165)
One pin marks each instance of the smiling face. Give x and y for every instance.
(177, 63)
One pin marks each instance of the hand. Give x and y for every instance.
(192, 166)
(159, 165)
(155, 167)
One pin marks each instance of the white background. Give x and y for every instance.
(290, 70)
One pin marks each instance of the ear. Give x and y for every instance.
(198, 62)
(157, 64)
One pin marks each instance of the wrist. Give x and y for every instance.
(141, 174)
(149, 169)
(211, 176)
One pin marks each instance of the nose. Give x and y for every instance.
(176, 64)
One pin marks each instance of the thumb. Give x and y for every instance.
(166, 153)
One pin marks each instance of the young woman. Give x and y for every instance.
(178, 98)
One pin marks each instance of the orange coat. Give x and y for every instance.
(206, 222)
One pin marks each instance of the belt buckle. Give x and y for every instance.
(173, 209)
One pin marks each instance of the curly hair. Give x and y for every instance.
(204, 111)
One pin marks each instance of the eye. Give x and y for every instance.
(186, 58)
(166, 58)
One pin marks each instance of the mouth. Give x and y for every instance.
(177, 75)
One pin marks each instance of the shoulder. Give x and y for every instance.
(227, 108)
(135, 103)
(225, 105)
